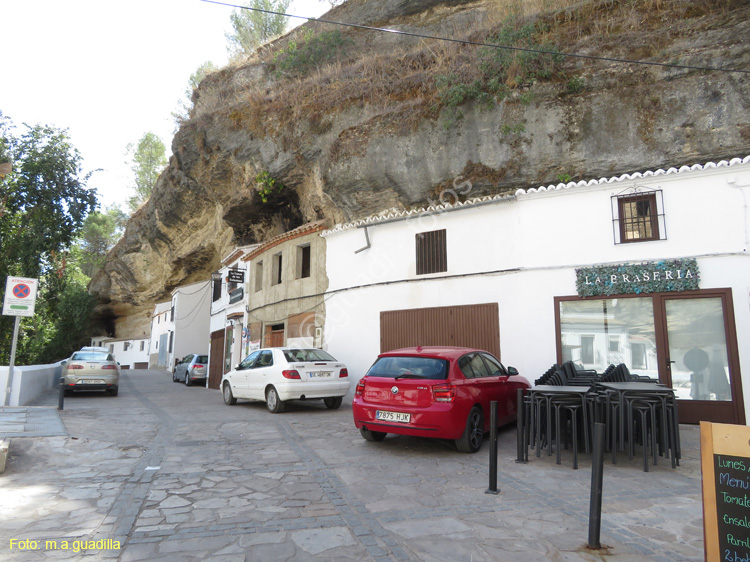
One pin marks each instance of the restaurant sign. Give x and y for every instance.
(648, 277)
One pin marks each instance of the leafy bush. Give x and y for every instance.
(501, 70)
(298, 59)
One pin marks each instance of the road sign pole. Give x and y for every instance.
(9, 386)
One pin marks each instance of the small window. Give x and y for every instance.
(303, 261)
(258, 276)
(473, 367)
(276, 271)
(638, 217)
(143, 345)
(216, 289)
(431, 252)
(171, 318)
(614, 344)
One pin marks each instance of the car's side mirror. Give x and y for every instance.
(512, 371)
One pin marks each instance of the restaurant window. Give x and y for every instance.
(258, 276)
(276, 270)
(431, 252)
(303, 261)
(589, 330)
(638, 216)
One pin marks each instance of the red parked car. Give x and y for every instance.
(442, 392)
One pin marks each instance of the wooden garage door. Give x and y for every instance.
(216, 360)
(476, 325)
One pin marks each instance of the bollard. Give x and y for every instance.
(61, 397)
(597, 473)
(521, 450)
(493, 449)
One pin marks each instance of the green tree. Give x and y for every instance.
(148, 159)
(99, 234)
(44, 202)
(255, 26)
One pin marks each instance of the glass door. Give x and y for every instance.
(699, 363)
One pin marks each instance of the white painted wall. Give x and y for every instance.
(133, 354)
(191, 320)
(159, 326)
(527, 248)
(29, 382)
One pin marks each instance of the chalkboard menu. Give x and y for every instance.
(725, 462)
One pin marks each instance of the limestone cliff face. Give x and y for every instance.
(372, 132)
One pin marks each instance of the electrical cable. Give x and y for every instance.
(480, 43)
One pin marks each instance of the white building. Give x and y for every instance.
(160, 333)
(648, 269)
(130, 353)
(188, 322)
(229, 339)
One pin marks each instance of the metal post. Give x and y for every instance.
(493, 449)
(597, 473)
(61, 396)
(9, 387)
(520, 428)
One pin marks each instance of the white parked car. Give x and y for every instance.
(278, 374)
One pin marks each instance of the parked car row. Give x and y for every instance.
(438, 392)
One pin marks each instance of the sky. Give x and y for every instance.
(109, 72)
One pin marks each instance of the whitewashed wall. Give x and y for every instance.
(529, 247)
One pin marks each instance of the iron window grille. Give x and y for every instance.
(431, 252)
(638, 215)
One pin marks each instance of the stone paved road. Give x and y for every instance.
(173, 474)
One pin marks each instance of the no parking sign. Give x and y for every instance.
(20, 296)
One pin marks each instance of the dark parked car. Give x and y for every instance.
(442, 392)
(190, 369)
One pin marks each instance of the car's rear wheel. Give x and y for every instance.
(174, 376)
(333, 402)
(113, 391)
(229, 398)
(187, 378)
(372, 435)
(471, 440)
(273, 403)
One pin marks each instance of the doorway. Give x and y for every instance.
(700, 359)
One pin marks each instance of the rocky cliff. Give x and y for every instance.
(341, 122)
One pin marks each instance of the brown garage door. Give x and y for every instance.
(476, 325)
(216, 360)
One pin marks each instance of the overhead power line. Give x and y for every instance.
(482, 44)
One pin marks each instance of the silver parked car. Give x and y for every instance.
(190, 369)
(91, 370)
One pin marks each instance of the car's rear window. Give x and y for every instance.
(202, 359)
(91, 356)
(416, 367)
(305, 355)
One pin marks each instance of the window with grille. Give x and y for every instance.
(638, 216)
(431, 252)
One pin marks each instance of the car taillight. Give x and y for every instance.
(343, 373)
(360, 390)
(75, 366)
(444, 392)
(196, 366)
(108, 367)
(290, 374)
